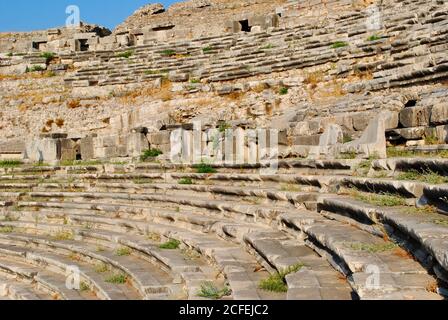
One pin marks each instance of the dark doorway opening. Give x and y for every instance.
(38, 45)
(410, 104)
(245, 27)
(83, 45)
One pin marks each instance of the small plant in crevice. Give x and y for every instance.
(372, 247)
(168, 53)
(373, 37)
(101, 268)
(10, 163)
(277, 281)
(210, 291)
(186, 181)
(63, 235)
(347, 155)
(125, 54)
(283, 91)
(207, 49)
(427, 176)
(267, 46)
(431, 139)
(347, 138)
(6, 229)
(49, 56)
(150, 153)
(119, 278)
(339, 44)
(381, 199)
(124, 251)
(204, 168)
(83, 286)
(172, 244)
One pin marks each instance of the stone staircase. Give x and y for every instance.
(409, 49)
(352, 237)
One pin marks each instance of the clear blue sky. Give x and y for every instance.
(27, 15)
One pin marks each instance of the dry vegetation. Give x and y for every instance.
(163, 93)
(73, 104)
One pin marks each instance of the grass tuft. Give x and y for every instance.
(117, 279)
(385, 200)
(125, 54)
(339, 44)
(347, 155)
(168, 53)
(83, 286)
(373, 248)
(186, 181)
(63, 235)
(124, 251)
(150, 153)
(48, 56)
(205, 168)
(10, 163)
(6, 229)
(101, 268)
(373, 37)
(170, 245)
(277, 282)
(211, 291)
(283, 91)
(207, 49)
(427, 176)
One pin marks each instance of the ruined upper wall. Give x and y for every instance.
(183, 21)
(54, 38)
(197, 18)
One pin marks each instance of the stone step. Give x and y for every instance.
(125, 203)
(169, 261)
(42, 280)
(376, 268)
(229, 229)
(316, 280)
(426, 231)
(227, 257)
(146, 278)
(216, 192)
(59, 264)
(13, 290)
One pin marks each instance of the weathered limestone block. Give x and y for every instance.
(360, 121)
(12, 149)
(158, 138)
(165, 148)
(439, 113)
(332, 136)
(86, 148)
(415, 116)
(45, 149)
(136, 144)
(411, 133)
(311, 140)
(442, 134)
(68, 149)
(178, 77)
(372, 141)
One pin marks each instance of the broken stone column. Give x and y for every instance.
(332, 136)
(176, 145)
(136, 144)
(86, 148)
(372, 141)
(43, 150)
